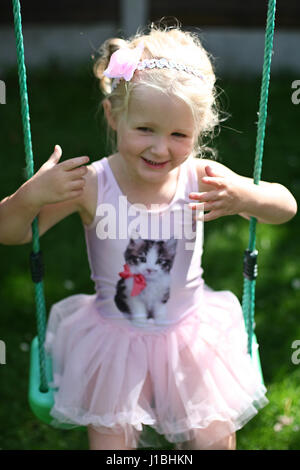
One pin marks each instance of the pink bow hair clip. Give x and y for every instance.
(123, 62)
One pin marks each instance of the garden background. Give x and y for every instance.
(64, 106)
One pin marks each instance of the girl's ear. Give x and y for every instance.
(107, 111)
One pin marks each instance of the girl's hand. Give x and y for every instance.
(57, 182)
(224, 198)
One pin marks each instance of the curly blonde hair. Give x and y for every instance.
(178, 46)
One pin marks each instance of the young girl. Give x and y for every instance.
(154, 345)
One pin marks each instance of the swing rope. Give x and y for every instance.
(250, 266)
(35, 256)
(250, 257)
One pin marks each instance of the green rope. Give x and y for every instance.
(249, 285)
(39, 289)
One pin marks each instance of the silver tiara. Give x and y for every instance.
(160, 64)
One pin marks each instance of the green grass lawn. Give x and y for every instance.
(64, 110)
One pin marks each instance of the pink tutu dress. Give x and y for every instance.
(153, 345)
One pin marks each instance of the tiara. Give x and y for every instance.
(161, 64)
(164, 63)
(125, 61)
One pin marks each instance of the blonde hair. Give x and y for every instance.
(178, 46)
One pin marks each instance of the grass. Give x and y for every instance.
(63, 110)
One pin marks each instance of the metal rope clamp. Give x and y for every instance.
(250, 270)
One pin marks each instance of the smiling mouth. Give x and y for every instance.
(154, 164)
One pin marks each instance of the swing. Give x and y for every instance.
(40, 394)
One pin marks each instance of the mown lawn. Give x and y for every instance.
(64, 110)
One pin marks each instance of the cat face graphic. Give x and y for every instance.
(144, 288)
(149, 257)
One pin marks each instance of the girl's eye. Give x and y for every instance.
(178, 134)
(144, 129)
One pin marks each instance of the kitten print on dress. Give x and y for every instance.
(144, 287)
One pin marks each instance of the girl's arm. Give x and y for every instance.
(16, 215)
(224, 192)
(59, 185)
(269, 203)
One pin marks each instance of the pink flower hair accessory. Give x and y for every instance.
(124, 62)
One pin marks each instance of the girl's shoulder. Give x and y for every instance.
(219, 168)
(88, 201)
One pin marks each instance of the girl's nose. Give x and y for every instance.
(160, 147)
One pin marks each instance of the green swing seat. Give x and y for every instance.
(40, 402)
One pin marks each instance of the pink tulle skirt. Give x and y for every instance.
(191, 380)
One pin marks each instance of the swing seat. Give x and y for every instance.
(41, 402)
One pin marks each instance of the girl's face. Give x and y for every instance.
(157, 136)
